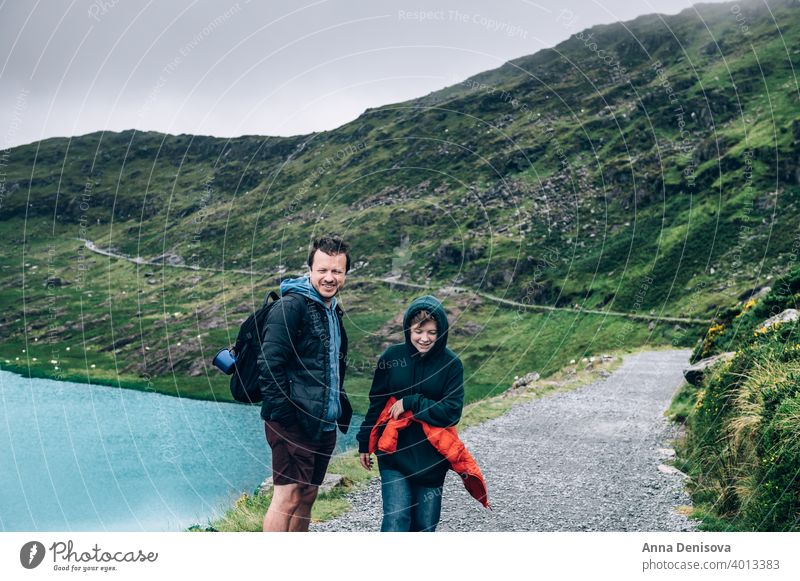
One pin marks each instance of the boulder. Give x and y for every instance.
(694, 373)
(754, 293)
(526, 380)
(169, 258)
(666, 469)
(56, 281)
(467, 329)
(787, 316)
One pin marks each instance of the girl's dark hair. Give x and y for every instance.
(331, 245)
(422, 317)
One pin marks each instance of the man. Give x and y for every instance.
(301, 370)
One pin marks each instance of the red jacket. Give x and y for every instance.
(444, 440)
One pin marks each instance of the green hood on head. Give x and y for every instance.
(432, 305)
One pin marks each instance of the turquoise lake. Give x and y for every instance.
(77, 457)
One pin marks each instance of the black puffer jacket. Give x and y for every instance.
(431, 385)
(294, 365)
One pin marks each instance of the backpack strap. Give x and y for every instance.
(302, 302)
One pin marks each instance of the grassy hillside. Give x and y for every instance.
(656, 177)
(157, 328)
(742, 449)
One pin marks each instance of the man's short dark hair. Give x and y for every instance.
(330, 245)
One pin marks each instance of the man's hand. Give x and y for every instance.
(396, 409)
(366, 460)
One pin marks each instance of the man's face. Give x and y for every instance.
(327, 274)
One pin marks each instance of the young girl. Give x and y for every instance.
(427, 379)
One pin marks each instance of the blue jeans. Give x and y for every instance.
(406, 506)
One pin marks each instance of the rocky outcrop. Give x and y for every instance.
(525, 380)
(787, 316)
(694, 373)
(169, 258)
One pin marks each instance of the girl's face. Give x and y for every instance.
(423, 335)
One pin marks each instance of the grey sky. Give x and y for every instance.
(277, 67)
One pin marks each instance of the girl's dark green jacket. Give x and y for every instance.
(430, 384)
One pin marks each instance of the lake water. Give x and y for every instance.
(76, 457)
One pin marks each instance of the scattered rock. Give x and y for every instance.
(265, 486)
(170, 259)
(212, 317)
(56, 281)
(694, 373)
(754, 293)
(665, 469)
(526, 380)
(787, 316)
(468, 329)
(243, 307)
(593, 362)
(449, 291)
(121, 342)
(391, 331)
(449, 253)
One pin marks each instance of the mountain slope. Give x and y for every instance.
(644, 167)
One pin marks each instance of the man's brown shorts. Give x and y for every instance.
(296, 459)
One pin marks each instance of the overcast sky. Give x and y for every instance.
(269, 67)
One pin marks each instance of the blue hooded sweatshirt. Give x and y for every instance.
(303, 286)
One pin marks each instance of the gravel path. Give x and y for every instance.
(586, 460)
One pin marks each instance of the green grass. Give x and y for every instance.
(247, 512)
(742, 423)
(117, 329)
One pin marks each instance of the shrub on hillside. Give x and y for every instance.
(743, 435)
(734, 326)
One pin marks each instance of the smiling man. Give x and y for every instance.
(301, 370)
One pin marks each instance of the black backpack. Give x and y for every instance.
(244, 381)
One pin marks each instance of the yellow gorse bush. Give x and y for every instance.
(747, 306)
(700, 397)
(764, 330)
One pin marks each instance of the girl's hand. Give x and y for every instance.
(366, 460)
(396, 409)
